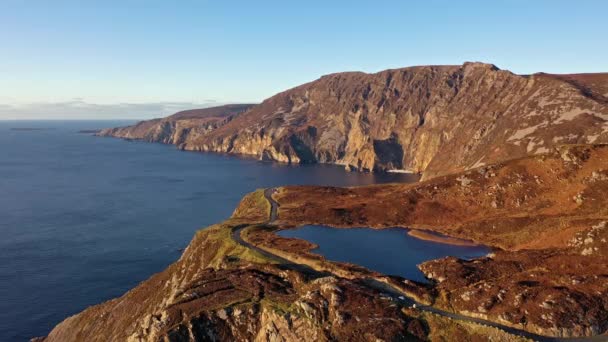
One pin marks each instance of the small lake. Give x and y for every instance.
(390, 251)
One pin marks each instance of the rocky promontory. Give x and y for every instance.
(180, 127)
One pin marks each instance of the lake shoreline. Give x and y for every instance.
(443, 239)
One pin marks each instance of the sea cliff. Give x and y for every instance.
(433, 120)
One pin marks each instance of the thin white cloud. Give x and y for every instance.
(80, 109)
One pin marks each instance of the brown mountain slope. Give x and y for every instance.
(534, 202)
(431, 119)
(435, 119)
(179, 127)
(592, 85)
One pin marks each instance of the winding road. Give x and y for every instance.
(395, 293)
(236, 236)
(274, 206)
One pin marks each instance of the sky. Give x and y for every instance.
(131, 59)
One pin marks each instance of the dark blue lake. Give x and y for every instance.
(84, 219)
(390, 251)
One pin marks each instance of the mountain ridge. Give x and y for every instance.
(433, 120)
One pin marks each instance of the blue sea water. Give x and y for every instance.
(390, 251)
(83, 219)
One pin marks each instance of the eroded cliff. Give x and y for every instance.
(179, 127)
(430, 119)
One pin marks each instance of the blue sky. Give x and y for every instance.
(103, 59)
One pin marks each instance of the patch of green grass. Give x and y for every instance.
(245, 233)
(253, 206)
(278, 307)
(219, 237)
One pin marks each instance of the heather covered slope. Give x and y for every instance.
(430, 119)
(547, 213)
(534, 202)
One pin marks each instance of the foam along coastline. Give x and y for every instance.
(401, 171)
(439, 238)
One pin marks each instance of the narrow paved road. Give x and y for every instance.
(394, 292)
(274, 206)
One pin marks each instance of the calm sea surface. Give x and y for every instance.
(389, 251)
(84, 219)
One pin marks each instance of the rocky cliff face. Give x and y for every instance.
(179, 127)
(431, 119)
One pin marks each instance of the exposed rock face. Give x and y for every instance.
(431, 119)
(179, 127)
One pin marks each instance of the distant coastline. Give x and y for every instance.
(30, 128)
